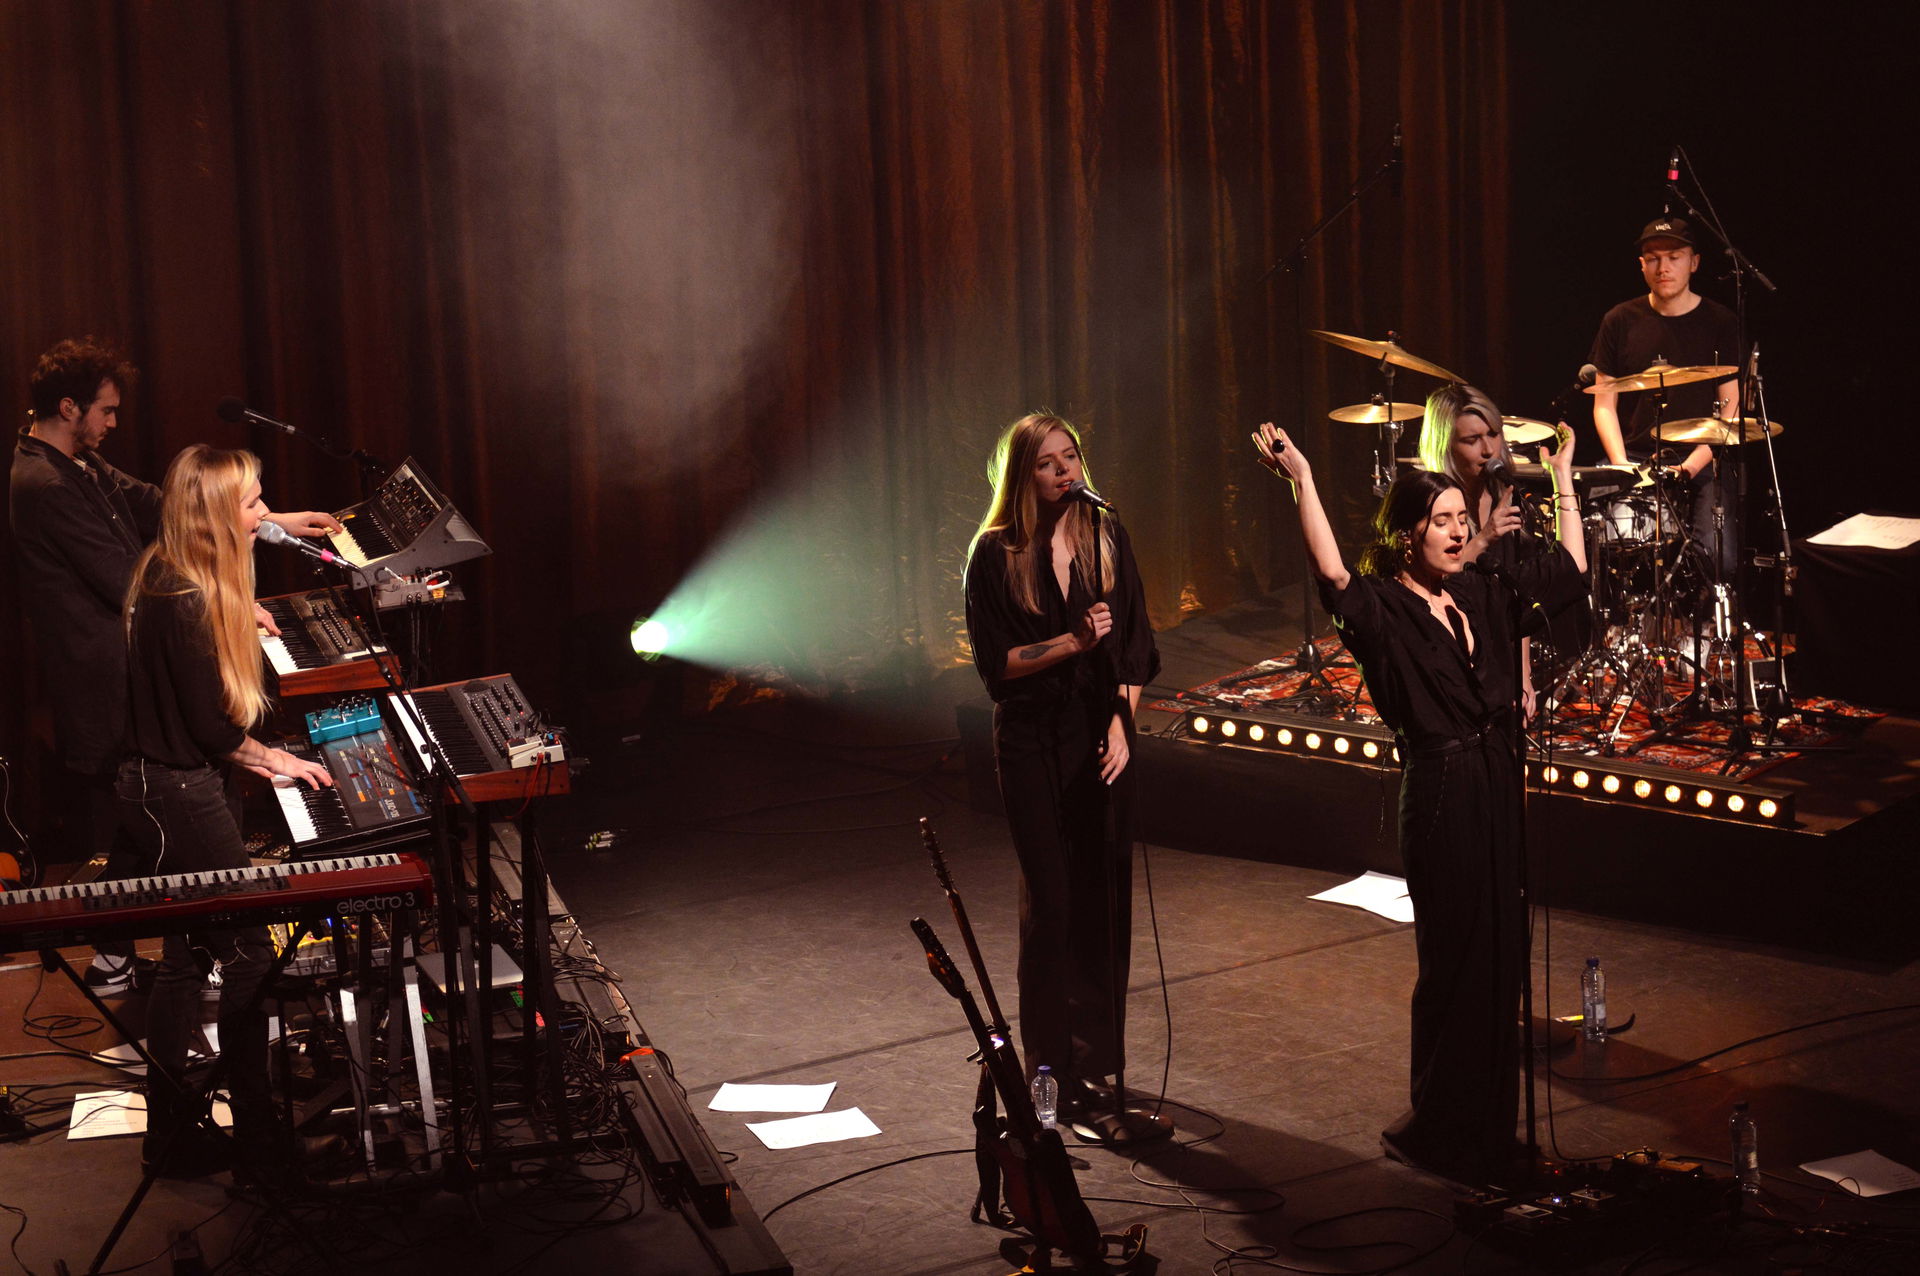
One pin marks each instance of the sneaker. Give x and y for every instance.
(116, 977)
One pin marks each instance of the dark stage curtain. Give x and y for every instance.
(625, 276)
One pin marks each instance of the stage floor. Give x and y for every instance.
(755, 903)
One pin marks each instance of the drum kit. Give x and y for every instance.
(1660, 617)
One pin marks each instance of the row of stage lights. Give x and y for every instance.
(1596, 779)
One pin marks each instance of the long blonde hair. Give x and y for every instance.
(201, 543)
(1013, 514)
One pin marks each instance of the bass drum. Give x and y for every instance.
(1640, 516)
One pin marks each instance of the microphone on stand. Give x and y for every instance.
(1079, 491)
(1399, 162)
(1563, 401)
(232, 409)
(274, 534)
(1673, 164)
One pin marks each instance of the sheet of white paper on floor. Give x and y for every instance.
(1376, 892)
(100, 1114)
(1866, 1173)
(734, 1097)
(822, 1127)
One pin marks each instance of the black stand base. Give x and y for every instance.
(1121, 1127)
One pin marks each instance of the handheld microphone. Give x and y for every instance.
(1673, 164)
(274, 534)
(232, 409)
(1079, 491)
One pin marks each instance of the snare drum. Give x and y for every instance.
(1639, 517)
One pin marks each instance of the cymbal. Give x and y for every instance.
(1590, 480)
(1707, 429)
(1522, 430)
(1665, 374)
(1387, 350)
(1377, 413)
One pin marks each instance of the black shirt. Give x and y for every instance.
(1633, 336)
(997, 624)
(176, 715)
(1421, 682)
(77, 531)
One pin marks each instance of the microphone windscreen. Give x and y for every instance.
(274, 534)
(231, 409)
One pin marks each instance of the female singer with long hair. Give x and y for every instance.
(196, 685)
(1435, 638)
(1063, 658)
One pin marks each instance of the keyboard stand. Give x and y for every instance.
(51, 959)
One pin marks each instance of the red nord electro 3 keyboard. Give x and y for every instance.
(83, 913)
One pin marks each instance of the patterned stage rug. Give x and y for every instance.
(1578, 728)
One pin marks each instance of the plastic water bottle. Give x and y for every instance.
(1593, 1001)
(1046, 1097)
(1746, 1150)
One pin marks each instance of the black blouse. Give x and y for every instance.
(1422, 683)
(178, 717)
(997, 624)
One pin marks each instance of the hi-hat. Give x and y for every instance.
(1377, 413)
(1522, 430)
(1387, 350)
(1665, 374)
(1707, 429)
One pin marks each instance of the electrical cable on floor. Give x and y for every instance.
(884, 1165)
(1755, 1040)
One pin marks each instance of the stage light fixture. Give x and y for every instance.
(1768, 808)
(1256, 733)
(1371, 749)
(1341, 744)
(1229, 728)
(1671, 793)
(1550, 774)
(1610, 783)
(1201, 726)
(1581, 779)
(1284, 736)
(1643, 788)
(1703, 799)
(649, 638)
(1736, 803)
(1313, 739)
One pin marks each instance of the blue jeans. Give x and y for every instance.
(182, 822)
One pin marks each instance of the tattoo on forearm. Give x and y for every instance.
(1036, 651)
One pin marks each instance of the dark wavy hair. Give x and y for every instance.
(1407, 507)
(76, 369)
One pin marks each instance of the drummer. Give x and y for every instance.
(1674, 325)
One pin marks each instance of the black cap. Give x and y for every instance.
(1675, 228)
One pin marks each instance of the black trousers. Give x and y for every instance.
(184, 822)
(1073, 836)
(1460, 842)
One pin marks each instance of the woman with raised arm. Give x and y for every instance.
(1435, 640)
(196, 685)
(1063, 658)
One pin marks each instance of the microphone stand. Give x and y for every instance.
(1732, 480)
(1121, 1124)
(1308, 658)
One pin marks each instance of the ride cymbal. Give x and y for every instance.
(1707, 429)
(1387, 350)
(1665, 374)
(1377, 413)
